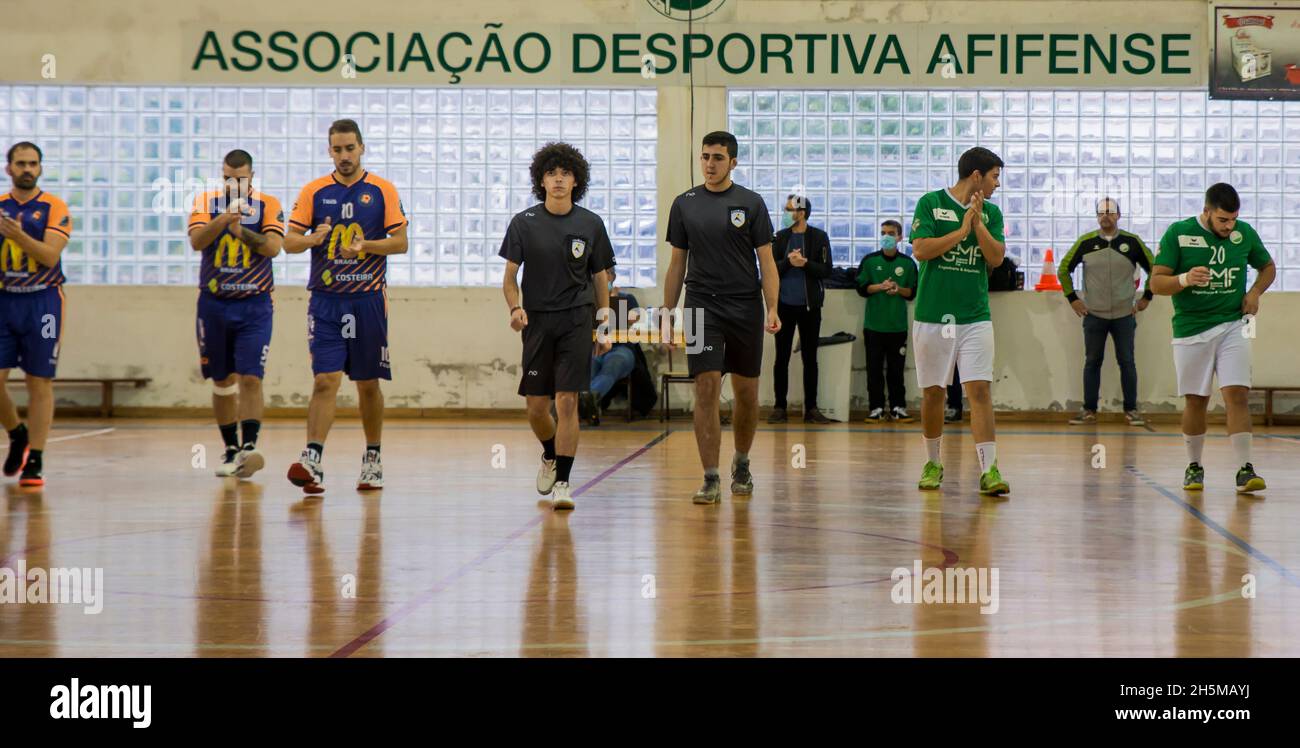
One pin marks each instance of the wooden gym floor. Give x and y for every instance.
(457, 558)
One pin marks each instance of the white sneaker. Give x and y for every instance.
(372, 473)
(561, 499)
(228, 464)
(307, 473)
(248, 462)
(546, 476)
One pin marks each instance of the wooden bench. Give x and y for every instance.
(1268, 400)
(106, 388)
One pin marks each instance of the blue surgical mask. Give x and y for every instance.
(611, 286)
(786, 221)
(888, 241)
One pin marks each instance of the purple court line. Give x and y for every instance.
(379, 628)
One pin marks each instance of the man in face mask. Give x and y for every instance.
(803, 259)
(887, 278)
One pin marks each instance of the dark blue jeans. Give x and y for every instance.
(1123, 330)
(606, 370)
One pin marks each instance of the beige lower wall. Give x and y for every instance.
(452, 348)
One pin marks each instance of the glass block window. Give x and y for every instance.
(458, 157)
(867, 156)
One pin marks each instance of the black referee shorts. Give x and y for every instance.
(732, 332)
(557, 352)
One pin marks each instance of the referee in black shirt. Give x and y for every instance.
(721, 237)
(565, 253)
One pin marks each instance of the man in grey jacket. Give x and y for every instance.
(1108, 306)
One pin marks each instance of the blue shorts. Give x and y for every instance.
(234, 335)
(348, 332)
(31, 325)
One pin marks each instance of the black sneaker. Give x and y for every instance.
(1248, 481)
(32, 474)
(742, 481)
(588, 406)
(778, 415)
(815, 416)
(17, 452)
(950, 415)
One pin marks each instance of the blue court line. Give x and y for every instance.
(1228, 535)
(1288, 437)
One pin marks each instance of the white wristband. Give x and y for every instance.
(1182, 280)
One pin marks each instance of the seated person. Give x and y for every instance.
(616, 365)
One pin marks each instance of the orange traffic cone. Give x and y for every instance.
(1048, 281)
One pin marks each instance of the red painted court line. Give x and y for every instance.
(379, 628)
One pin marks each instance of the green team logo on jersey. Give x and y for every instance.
(963, 255)
(1235, 237)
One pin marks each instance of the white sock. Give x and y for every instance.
(988, 453)
(1194, 446)
(932, 448)
(1241, 446)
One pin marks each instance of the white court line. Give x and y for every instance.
(82, 435)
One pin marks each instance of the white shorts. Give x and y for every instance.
(1221, 350)
(969, 348)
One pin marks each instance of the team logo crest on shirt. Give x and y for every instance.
(898, 271)
(365, 198)
(1235, 237)
(738, 217)
(1123, 247)
(577, 247)
(36, 215)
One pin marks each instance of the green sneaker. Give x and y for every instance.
(991, 483)
(1247, 481)
(1194, 478)
(931, 476)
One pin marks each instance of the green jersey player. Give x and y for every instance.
(957, 239)
(1202, 264)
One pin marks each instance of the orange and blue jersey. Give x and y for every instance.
(368, 208)
(19, 272)
(230, 268)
